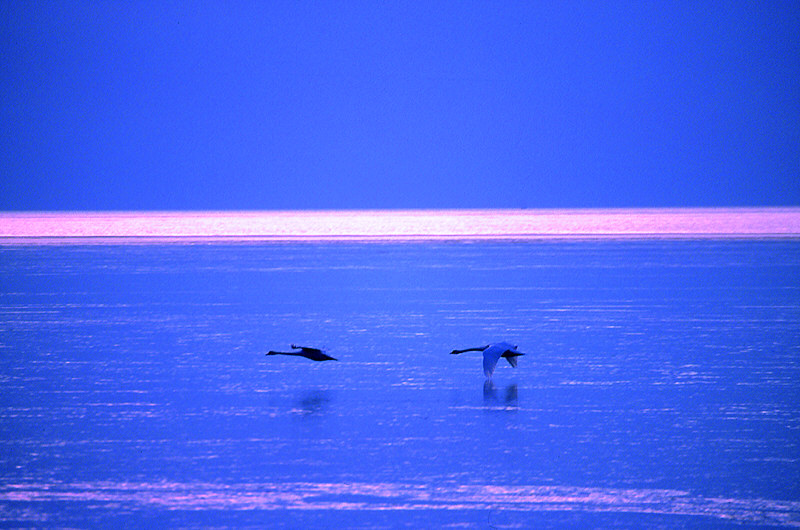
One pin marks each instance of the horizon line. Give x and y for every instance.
(400, 224)
(407, 209)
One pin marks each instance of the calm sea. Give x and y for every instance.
(660, 385)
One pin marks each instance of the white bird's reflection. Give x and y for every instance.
(490, 393)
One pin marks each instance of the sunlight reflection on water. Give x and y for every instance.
(393, 496)
(409, 224)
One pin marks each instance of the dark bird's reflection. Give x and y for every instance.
(315, 402)
(490, 393)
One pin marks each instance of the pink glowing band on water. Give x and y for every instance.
(404, 224)
(197, 496)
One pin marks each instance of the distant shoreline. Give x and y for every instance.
(396, 225)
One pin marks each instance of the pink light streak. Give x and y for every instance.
(405, 224)
(198, 496)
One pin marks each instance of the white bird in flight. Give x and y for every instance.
(492, 354)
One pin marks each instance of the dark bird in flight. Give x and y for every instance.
(315, 354)
(492, 354)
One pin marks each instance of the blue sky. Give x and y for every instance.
(340, 104)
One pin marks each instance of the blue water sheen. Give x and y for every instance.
(657, 370)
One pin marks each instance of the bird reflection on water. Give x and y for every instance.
(490, 396)
(313, 403)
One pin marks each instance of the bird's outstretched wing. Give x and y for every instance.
(490, 357)
(306, 349)
(513, 360)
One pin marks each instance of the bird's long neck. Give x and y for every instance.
(454, 352)
(296, 354)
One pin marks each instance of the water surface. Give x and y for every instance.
(660, 387)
